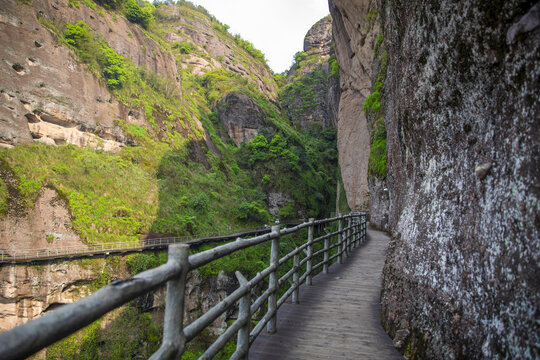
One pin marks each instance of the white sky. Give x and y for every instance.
(276, 27)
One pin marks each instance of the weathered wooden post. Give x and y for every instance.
(326, 246)
(244, 314)
(296, 278)
(350, 237)
(340, 239)
(361, 222)
(356, 232)
(273, 281)
(309, 263)
(173, 335)
(364, 225)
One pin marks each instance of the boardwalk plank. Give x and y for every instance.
(338, 316)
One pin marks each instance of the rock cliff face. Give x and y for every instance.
(461, 109)
(48, 224)
(29, 291)
(355, 33)
(211, 49)
(48, 96)
(312, 93)
(241, 116)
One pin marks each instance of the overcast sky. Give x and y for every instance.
(276, 27)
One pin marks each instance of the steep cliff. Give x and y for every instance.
(311, 81)
(28, 291)
(460, 103)
(120, 126)
(355, 32)
(169, 99)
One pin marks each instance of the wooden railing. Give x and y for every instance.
(35, 335)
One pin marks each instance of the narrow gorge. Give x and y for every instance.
(125, 120)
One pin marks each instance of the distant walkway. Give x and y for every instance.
(29, 255)
(338, 316)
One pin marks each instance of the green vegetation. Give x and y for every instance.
(4, 204)
(372, 103)
(110, 4)
(372, 109)
(380, 39)
(96, 53)
(377, 154)
(246, 45)
(138, 15)
(334, 66)
(140, 262)
(122, 334)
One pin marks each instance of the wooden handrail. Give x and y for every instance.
(37, 334)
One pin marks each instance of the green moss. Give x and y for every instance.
(90, 4)
(380, 39)
(127, 334)
(377, 158)
(372, 103)
(140, 262)
(73, 3)
(4, 204)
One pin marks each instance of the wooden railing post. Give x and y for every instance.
(296, 278)
(340, 239)
(273, 282)
(173, 335)
(244, 314)
(309, 263)
(349, 236)
(360, 231)
(356, 232)
(325, 263)
(364, 227)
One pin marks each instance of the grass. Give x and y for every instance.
(124, 333)
(171, 183)
(4, 204)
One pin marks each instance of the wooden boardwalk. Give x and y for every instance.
(338, 316)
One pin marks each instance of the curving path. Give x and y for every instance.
(338, 316)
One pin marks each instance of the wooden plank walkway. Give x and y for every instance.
(338, 316)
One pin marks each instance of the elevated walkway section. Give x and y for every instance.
(338, 316)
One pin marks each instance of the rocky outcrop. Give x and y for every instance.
(461, 109)
(47, 224)
(318, 39)
(29, 291)
(241, 116)
(49, 97)
(310, 96)
(355, 31)
(277, 200)
(209, 47)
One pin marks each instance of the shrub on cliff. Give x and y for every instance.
(110, 4)
(138, 15)
(96, 53)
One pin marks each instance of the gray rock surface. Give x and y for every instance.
(46, 95)
(312, 94)
(461, 108)
(319, 37)
(241, 116)
(355, 33)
